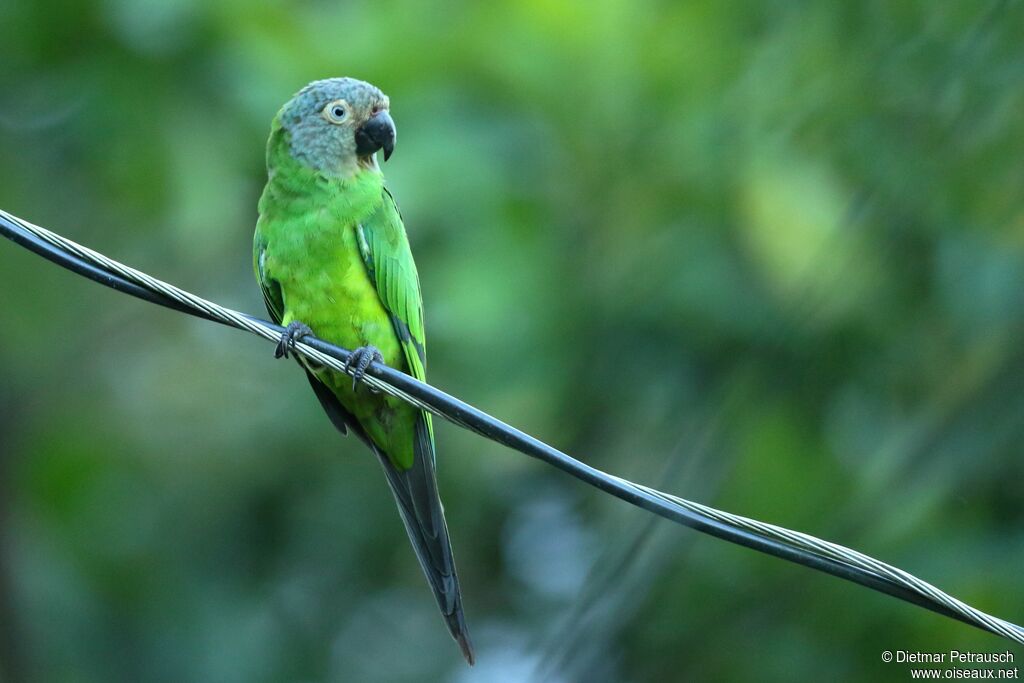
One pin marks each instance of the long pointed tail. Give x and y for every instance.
(415, 492)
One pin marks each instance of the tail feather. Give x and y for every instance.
(415, 491)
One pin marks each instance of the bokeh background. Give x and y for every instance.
(767, 256)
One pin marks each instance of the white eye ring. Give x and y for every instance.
(336, 111)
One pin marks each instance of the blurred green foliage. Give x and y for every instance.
(769, 256)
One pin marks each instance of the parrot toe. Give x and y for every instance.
(292, 334)
(359, 360)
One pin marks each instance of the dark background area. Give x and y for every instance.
(764, 255)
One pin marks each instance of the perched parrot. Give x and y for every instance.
(333, 260)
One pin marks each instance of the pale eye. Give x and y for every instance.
(336, 111)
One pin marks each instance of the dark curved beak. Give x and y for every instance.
(377, 133)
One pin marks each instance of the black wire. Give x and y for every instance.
(487, 426)
(37, 245)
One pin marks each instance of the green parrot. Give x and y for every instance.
(333, 260)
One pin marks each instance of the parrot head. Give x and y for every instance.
(337, 125)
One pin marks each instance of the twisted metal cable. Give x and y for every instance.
(780, 542)
(857, 559)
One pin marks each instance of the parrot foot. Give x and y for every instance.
(359, 360)
(292, 334)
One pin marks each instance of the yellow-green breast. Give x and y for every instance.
(308, 231)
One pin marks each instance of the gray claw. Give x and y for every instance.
(292, 334)
(359, 360)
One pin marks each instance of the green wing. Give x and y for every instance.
(385, 251)
(272, 296)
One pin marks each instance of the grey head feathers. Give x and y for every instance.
(322, 119)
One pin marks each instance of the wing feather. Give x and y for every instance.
(272, 296)
(388, 259)
(385, 251)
